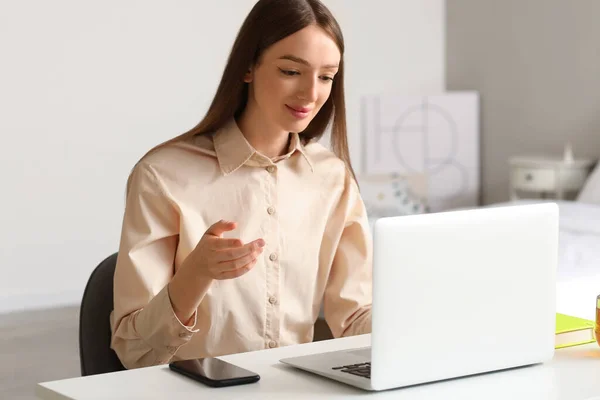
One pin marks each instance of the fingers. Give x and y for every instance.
(222, 244)
(228, 258)
(240, 262)
(219, 227)
(233, 253)
(237, 272)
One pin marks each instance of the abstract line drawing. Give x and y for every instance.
(436, 136)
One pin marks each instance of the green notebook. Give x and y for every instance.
(573, 331)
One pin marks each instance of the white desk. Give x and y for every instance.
(573, 374)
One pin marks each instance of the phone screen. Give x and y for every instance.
(214, 369)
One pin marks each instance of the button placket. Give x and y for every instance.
(272, 328)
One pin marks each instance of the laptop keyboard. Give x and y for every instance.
(363, 369)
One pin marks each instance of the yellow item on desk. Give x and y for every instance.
(573, 331)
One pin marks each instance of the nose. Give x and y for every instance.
(309, 89)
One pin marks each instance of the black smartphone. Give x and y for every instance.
(214, 372)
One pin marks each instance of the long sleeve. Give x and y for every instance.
(145, 329)
(348, 293)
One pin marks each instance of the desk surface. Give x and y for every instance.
(573, 374)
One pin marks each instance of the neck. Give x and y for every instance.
(268, 140)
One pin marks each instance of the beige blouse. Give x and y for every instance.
(306, 207)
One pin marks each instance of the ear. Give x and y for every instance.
(248, 76)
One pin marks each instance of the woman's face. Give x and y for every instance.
(293, 79)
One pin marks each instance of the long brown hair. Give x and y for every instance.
(268, 22)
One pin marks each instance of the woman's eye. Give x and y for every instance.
(288, 72)
(327, 78)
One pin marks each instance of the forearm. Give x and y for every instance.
(361, 324)
(186, 291)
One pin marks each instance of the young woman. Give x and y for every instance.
(235, 232)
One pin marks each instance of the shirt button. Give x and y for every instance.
(272, 344)
(273, 256)
(272, 299)
(271, 169)
(271, 210)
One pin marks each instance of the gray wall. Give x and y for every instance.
(536, 65)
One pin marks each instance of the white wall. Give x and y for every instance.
(87, 87)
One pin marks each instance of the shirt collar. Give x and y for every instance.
(233, 150)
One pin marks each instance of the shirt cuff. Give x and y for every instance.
(193, 318)
(160, 328)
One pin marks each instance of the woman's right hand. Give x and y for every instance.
(215, 257)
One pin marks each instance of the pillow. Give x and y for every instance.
(389, 195)
(590, 193)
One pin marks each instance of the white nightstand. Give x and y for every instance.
(542, 175)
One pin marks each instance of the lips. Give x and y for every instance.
(303, 110)
(299, 113)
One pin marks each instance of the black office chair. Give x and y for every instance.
(95, 354)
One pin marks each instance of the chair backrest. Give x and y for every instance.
(95, 354)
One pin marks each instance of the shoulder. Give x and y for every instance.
(196, 149)
(324, 160)
(337, 182)
(179, 162)
(328, 165)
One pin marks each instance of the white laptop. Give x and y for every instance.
(454, 294)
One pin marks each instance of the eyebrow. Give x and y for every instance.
(303, 61)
